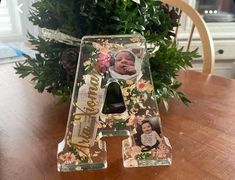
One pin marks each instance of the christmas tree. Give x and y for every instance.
(53, 68)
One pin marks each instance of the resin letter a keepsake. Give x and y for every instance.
(113, 95)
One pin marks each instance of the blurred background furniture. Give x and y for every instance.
(205, 36)
(222, 31)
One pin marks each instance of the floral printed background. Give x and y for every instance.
(140, 104)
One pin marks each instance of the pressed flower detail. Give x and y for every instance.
(149, 87)
(134, 120)
(100, 56)
(87, 63)
(138, 96)
(69, 158)
(135, 39)
(125, 92)
(129, 82)
(144, 156)
(161, 152)
(141, 86)
(103, 62)
(144, 86)
(133, 151)
(106, 47)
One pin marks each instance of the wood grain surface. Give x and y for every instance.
(202, 135)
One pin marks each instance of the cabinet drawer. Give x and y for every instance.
(223, 49)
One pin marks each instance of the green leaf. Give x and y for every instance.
(40, 86)
(115, 18)
(183, 98)
(165, 104)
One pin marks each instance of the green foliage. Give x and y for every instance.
(120, 125)
(82, 159)
(150, 18)
(165, 63)
(46, 69)
(144, 156)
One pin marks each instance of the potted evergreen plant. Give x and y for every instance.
(53, 68)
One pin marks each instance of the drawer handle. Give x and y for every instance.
(221, 51)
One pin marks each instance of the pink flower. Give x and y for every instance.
(103, 61)
(134, 120)
(161, 152)
(141, 86)
(69, 158)
(133, 151)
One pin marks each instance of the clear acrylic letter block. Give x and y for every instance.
(113, 95)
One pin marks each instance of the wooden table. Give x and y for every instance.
(202, 135)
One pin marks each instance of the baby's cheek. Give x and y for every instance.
(130, 63)
(119, 65)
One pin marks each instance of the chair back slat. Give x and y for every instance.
(205, 36)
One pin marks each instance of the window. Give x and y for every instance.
(217, 10)
(10, 26)
(217, 13)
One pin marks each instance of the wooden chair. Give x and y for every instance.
(205, 36)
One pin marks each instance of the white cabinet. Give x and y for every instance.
(220, 18)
